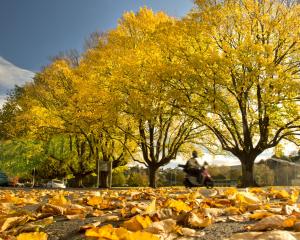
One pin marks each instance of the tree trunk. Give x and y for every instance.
(248, 179)
(103, 179)
(152, 177)
(79, 181)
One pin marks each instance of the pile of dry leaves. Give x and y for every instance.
(150, 214)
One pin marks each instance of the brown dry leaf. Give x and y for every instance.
(257, 191)
(195, 221)
(214, 212)
(165, 226)
(164, 213)
(239, 218)
(75, 216)
(13, 222)
(271, 235)
(89, 226)
(33, 236)
(271, 222)
(233, 211)
(75, 209)
(290, 209)
(137, 223)
(191, 233)
(110, 218)
(43, 222)
(53, 209)
(96, 213)
(220, 219)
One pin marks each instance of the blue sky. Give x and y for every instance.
(34, 30)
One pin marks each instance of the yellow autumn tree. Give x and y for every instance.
(137, 72)
(238, 73)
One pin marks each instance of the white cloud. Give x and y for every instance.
(11, 75)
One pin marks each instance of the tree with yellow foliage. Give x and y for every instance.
(237, 72)
(135, 66)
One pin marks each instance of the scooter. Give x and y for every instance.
(192, 179)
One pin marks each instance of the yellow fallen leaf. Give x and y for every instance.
(294, 196)
(230, 192)
(151, 208)
(233, 211)
(289, 222)
(58, 200)
(137, 223)
(280, 194)
(142, 236)
(260, 215)
(259, 191)
(247, 198)
(95, 200)
(107, 232)
(33, 236)
(195, 221)
(177, 205)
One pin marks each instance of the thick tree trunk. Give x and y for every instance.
(152, 177)
(248, 179)
(79, 181)
(103, 179)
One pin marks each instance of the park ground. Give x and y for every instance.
(163, 213)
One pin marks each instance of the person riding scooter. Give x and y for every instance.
(197, 174)
(194, 168)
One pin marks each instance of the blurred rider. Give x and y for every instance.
(195, 168)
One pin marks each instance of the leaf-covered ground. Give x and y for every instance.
(149, 214)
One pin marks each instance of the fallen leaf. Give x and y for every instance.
(259, 215)
(271, 222)
(137, 223)
(89, 226)
(195, 221)
(151, 208)
(165, 226)
(177, 205)
(247, 198)
(33, 236)
(13, 222)
(271, 235)
(59, 200)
